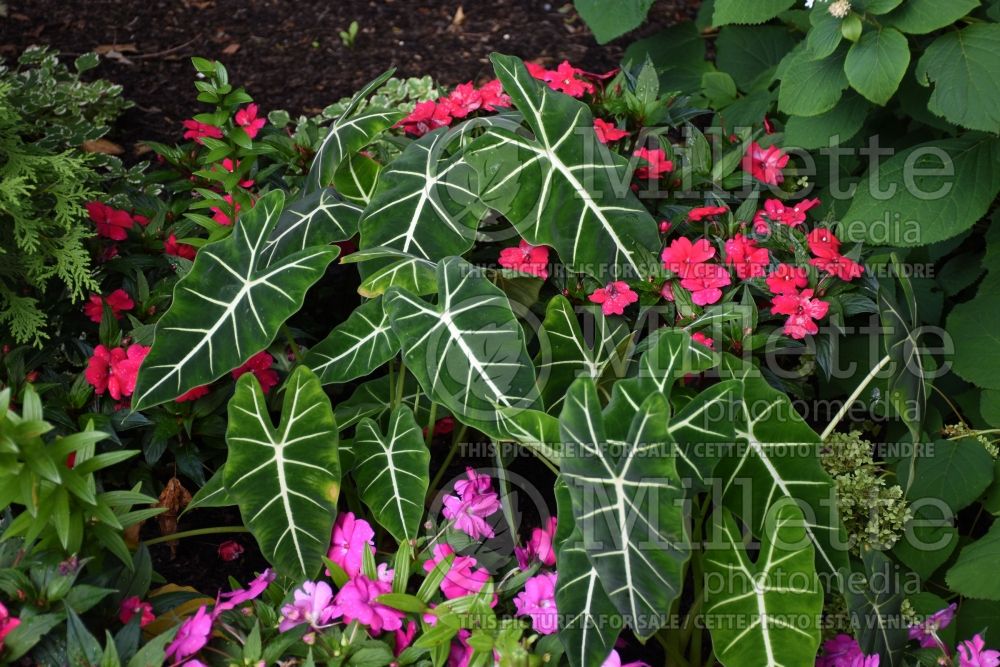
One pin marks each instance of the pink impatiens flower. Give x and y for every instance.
(765, 164)
(607, 132)
(7, 624)
(117, 301)
(844, 651)
(615, 660)
(656, 165)
(191, 637)
(356, 602)
(526, 258)
(196, 130)
(233, 599)
(538, 601)
(614, 297)
(351, 536)
(111, 223)
(115, 370)
(801, 309)
(973, 653)
(926, 631)
(312, 604)
(426, 116)
(172, 247)
(787, 279)
(260, 365)
(134, 605)
(475, 501)
(248, 120)
(749, 260)
(462, 578)
(539, 547)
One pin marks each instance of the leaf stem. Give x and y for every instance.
(400, 384)
(296, 350)
(195, 533)
(854, 396)
(455, 442)
(429, 436)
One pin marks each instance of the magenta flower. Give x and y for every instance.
(235, 598)
(356, 602)
(475, 501)
(615, 660)
(973, 653)
(7, 623)
(404, 638)
(474, 484)
(347, 545)
(462, 579)
(192, 635)
(538, 601)
(926, 632)
(614, 297)
(312, 605)
(844, 651)
(539, 547)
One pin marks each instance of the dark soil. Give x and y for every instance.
(288, 54)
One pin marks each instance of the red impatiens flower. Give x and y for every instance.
(463, 100)
(787, 279)
(118, 301)
(749, 260)
(231, 166)
(230, 550)
(775, 211)
(801, 309)
(699, 337)
(704, 281)
(196, 130)
(765, 164)
(565, 78)
(681, 255)
(172, 247)
(657, 163)
(115, 370)
(260, 365)
(221, 216)
(134, 605)
(843, 267)
(823, 243)
(426, 116)
(493, 96)
(702, 212)
(614, 297)
(607, 132)
(248, 120)
(526, 258)
(193, 394)
(111, 223)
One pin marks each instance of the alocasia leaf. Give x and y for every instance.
(467, 351)
(563, 188)
(874, 600)
(584, 606)
(763, 612)
(397, 269)
(320, 218)
(228, 307)
(349, 133)
(626, 502)
(355, 347)
(391, 472)
(285, 478)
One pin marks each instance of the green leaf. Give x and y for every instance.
(677, 52)
(565, 353)
(212, 494)
(763, 612)
(955, 472)
(392, 472)
(563, 188)
(286, 480)
(617, 485)
(608, 21)
(349, 133)
(583, 604)
(750, 55)
(227, 308)
(468, 351)
(926, 193)
(356, 347)
(356, 178)
(975, 323)
(874, 599)
(920, 17)
(832, 128)
(313, 220)
(876, 64)
(740, 11)
(974, 573)
(810, 87)
(964, 67)
(825, 34)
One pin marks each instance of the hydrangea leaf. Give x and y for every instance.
(468, 351)
(920, 17)
(285, 478)
(810, 86)
(975, 323)
(355, 347)
(763, 613)
(584, 606)
(610, 20)
(750, 55)
(616, 487)
(740, 11)
(964, 66)
(835, 126)
(392, 472)
(349, 133)
(876, 64)
(320, 218)
(228, 307)
(562, 188)
(974, 573)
